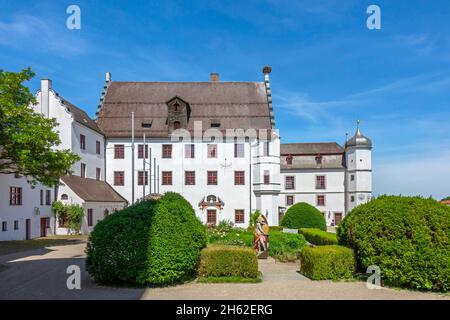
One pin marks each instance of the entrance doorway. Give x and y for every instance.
(211, 218)
(27, 229)
(44, 226)
(337, 218)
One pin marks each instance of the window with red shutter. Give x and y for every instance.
(239, 216)
(167, 178)
(289, 200)
(239, 178)
(141, 151)
(15, 196)
(289, 182)
(141, 175)
(189, 178)
(212, 150)
(320, 182)
(167, 151)
(119, 151)
(119, 178)
(212, 177)
(320, 200)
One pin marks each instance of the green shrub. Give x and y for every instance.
(275, 228)
(282, 246)
(228, 261)
(318, 237)
(285, 246)
(152, 242)
(303, 215)
(327, 262)
(407, 237)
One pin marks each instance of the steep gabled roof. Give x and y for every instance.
(92, 190)
(81, 116)
(238, 105)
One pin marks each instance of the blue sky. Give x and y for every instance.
(328, 68)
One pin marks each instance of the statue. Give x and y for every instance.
(261, 237)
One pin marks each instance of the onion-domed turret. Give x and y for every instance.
(359, 140)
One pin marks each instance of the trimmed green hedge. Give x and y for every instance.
(303, 215)
(318, 237)
(228, 261)
(327, 262)
(152, 242)
(275, 228)
(407, 237)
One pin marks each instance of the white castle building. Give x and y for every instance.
(213, 142)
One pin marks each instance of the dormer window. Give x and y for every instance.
(215, 124)
(319, 159)
(146, 124)
(178, 112)
(289, 160)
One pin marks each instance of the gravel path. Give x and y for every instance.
(41, 274)
(282, 281)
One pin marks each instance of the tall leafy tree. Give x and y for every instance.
(27, 138)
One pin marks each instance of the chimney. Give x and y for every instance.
(214, 77)
(46, 86)
(108, 76)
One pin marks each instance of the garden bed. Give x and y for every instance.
(282, 246)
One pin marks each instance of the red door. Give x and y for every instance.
(337, 218)
(27, 229)
(44, 227)
(211, 217)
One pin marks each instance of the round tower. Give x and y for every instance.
(358, 157)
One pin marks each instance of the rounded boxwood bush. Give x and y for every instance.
(303, 215)
(151, 242)
(407, 237)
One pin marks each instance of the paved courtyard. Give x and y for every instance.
(41, 274)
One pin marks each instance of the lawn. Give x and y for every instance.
(7, 247)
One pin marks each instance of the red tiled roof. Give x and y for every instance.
(238, 105)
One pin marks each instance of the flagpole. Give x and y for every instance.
(132, 158)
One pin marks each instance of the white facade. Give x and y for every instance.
(359, 176)
(261, 168)
(14, 218)
(32, 216)
(249, 196)
(306, 191)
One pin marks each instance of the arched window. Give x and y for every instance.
(64, 196)
(211, 198)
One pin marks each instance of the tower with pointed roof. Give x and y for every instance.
(358, 180)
